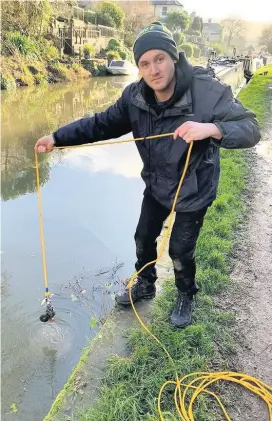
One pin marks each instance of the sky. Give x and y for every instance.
(244, 9)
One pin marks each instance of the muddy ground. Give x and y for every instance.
(251, 298)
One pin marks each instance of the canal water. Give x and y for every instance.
(91, 204)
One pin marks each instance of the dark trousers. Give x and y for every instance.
(182, 245)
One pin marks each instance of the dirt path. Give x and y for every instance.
(252, 275)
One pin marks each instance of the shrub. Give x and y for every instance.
(188, 49)
(51, 53)
(179, 38)
(7, 82)
(89, 50)
(75, 67)
(22, 43)
(40, 79)
(100, 70)
(60, 71)
(105, 19)
(219, 48)
(196, 51)
(113, 44)
(122, 52)
(113, 55)
(128, 40)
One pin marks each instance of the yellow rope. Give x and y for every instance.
(200, 380)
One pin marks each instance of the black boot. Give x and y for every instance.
(182, 314)
(143, 288)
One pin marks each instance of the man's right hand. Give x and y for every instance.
(45, 144)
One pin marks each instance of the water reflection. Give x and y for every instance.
(91, 203)
(28, 114)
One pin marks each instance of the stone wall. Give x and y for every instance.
(232, 76)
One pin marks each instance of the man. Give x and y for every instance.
(172, 96)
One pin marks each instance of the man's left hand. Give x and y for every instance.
(192, 130)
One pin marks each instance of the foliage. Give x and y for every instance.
(256, 95)
(128, 40)
(179, 37)
(188, 49)
(266, 39)
(7, 82)
(113, 11)
(219, 48)
(137, 14)
(113, 44)
(123, 53)
(22, 43)
(197, 24)
(113, 55)
(196, 51)
(193, 32)
(61, 71)
(89, 50)
(29, 18)
(176, 20)
(105, 19)
(47, 51)
(99, 70)
(232, 28)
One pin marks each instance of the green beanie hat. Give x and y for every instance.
(155, 37)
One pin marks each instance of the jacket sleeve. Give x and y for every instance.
(110, 124)
(238, 124)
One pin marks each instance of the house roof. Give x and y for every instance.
(212, 27)
(167, 3)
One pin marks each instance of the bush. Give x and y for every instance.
(100, 70)
(128, 40)
(22, 43)
(194, 32)
(40, 79)
(218, 48)
(75, 67)
(179, 38)
(89, 50)
(114, 11)
(51, 53)
(122, 52)
(188, 49)
(105, 19)
(60, 71)
(113, 44)
(7, 82)
(196, 51)
(113, 55)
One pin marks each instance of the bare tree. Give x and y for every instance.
(232, 29)
(266, 39)
(137, 14)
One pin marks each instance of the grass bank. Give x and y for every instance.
(131, 385)
(256, 94)
(19, 70)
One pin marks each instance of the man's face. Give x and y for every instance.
(157, 69)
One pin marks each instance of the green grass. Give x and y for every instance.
(131, 385)
(255, 96)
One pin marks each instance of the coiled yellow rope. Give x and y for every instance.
(199, 381)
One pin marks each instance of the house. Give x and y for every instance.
(212, 31)
(162, 7)
(84, 3)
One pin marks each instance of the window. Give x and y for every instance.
(164, 11)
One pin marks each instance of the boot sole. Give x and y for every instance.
(128, 303)
(180, 326)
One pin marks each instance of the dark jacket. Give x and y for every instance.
(197, 97)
